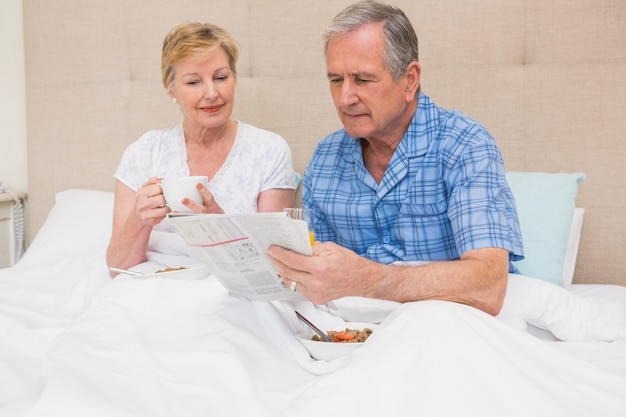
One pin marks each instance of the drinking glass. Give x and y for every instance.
(307, 216)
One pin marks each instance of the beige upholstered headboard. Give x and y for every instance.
(548, 79)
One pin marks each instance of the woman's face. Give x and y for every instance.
(204, 88)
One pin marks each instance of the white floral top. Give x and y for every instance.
(258, 161)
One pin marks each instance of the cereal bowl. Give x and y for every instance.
(331, 350)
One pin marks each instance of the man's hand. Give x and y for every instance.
(331, 273)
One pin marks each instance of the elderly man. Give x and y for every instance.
(404, 180)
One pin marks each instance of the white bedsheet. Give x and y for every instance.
(76, 343)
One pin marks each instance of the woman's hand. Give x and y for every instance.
(209, 205)
(150, 204)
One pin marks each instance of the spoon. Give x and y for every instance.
(323, 335)
(125, 271)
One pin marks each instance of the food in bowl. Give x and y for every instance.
(329, 351)
(169, 269)
(346, 335)
(189, 272)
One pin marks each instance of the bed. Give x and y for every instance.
(78, 343)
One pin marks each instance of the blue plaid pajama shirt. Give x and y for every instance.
(444, 193)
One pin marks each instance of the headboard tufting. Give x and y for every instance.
(547, 78)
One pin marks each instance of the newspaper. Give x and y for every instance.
(234, 248)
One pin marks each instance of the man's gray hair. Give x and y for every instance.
(400, 47)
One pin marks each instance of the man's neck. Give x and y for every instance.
(377, 153)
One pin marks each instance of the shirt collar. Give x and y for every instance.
(419, 135)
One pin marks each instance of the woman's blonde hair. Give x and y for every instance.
(194, 40)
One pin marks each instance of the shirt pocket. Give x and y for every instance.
(424, 231)
(437, 208)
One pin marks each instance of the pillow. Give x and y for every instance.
(298, 178)
(80, 222)
(545, 206)
(565, 315)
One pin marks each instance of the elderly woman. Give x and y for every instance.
(249, 169)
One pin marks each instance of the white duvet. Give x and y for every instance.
(76, 343)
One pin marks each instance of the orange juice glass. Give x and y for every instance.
(303, 214)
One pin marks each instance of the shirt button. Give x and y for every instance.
(386, 239)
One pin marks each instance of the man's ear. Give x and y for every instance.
(413, 79)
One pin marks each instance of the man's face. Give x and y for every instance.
(369, 102)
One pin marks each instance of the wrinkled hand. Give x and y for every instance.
(209, 205)
(330, 273)
(150, 203)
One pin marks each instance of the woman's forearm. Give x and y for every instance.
(129, 245)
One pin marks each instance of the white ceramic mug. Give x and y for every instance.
(177, 189)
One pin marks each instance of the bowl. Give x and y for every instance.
(331, 350)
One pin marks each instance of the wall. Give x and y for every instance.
(13, 169)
